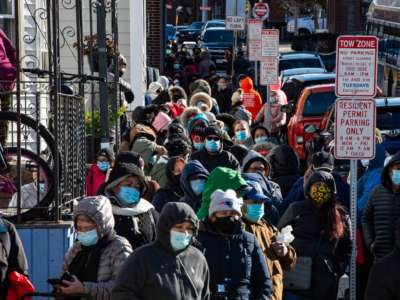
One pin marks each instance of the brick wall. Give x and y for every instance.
(154, 32)
(338, 19)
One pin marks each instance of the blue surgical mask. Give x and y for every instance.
(180, 240)
(255, 212)
(197, 186)
(241, 135)
(261, 139)
(41, 187)
(396, 177)
(213, 146)
(88, 238)
(103, 165)
(129, 195)
(198, 146)
(153, 160)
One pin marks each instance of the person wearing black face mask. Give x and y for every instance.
(237, 266)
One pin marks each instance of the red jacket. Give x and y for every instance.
(251, 98)
(94, 179)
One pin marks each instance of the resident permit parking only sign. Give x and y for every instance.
(356, 66)
(355, 129)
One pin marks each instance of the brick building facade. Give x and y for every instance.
(154, 32)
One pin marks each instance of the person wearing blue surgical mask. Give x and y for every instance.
(135, 217)
(242, 133)
(279, 256)
(98, 252)
(98, 172)
(170, 268)
(213, 155)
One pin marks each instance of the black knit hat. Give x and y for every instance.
(130, 157)
(239, 151)
(106, 152)
(213, 130)
(178, 147)
(323, 161)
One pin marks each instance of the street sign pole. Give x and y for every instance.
(353, 214)
(256, 73)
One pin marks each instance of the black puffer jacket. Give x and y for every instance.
(285, 166)
(237, 263)
(381, 214)
(220, 159)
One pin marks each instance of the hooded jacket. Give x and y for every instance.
(155, 271)
(285, 166)
(8, 61)
(370, 180)
(204, 97)
(384, 281)
(276, 118)
(253, 103)
(137, 223)
(191, 169)
(236, 262)
(330, 256)
(381, 214)
(211, 161)
(221, 178)
(113, 255)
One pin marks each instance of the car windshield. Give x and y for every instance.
(195, 25)
(215, 24)
(299, 63)
(216, 36)
(387, 118)
(317, 104)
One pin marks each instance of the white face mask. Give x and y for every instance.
(365, 162)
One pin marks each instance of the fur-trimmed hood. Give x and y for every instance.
(204, 97)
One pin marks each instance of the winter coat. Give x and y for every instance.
(224, 99)
(192, 168)
(330, 256)
(94, 179)
(113, 255)
(381, 214)
(146, 149)
(297, 192)
(12, 254)
(171, 193)
(211, 161)
(220, 178)
(155, 271)
(370, 180)
(136, 223)
(285, 166)
(254, 103)
(29, 196)
(272, 191)
(158, 171)
(8, 63)
(236, 261)
(266, 235)
(205, 64)
(384, 280)
(277, 118)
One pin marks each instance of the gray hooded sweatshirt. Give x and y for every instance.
(114, 254)
(156, 271)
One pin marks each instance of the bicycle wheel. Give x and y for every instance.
(44, 133)
(40, 210)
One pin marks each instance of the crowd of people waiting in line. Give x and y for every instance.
(204, 200)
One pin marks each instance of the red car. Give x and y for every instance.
(311, 107)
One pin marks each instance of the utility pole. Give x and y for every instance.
(102, 55)
(204, 13)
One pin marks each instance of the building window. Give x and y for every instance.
(7, 9)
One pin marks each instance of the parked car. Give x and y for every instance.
(294, 60)
(216, 41)
(294, 85)
(212, 24)
(286, 74)
(310, 109)
(306, 25)
(329, 60)
(190, 33)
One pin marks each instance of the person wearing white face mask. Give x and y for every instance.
(170, 267)
(95, 259)
(193, 181)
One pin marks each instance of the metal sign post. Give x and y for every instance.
(355, 116)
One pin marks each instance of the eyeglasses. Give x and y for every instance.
(212, 138)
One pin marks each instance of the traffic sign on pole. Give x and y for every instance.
(254, 27)
(270, 42)
(356, 65)
(269, 71)
(355, 129)
(235, 23)
(261, 10)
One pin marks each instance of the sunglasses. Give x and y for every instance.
(212, 138)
